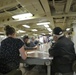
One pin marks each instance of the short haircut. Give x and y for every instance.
(25, 37)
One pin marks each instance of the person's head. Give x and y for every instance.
(10, 31)
(33, 38)
(57, 33)
(25, 38)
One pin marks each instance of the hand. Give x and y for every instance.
(35, 47)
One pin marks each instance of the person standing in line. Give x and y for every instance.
(63, 52)
(11, 48)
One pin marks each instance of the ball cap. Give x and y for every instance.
(57, 31)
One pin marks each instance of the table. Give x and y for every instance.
(39, 58)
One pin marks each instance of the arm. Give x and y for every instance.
(30, 48)
(55, 50)
(23, 53)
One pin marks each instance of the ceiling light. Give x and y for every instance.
(35, 34)
(27, 18)
(43, 23)
(21, 16)
(46, 25)
(21, 31)
(49, 29)
(50, 33)
(67, 29)
(27, 26)
(43, 33)
(34, 30)
(2, 36)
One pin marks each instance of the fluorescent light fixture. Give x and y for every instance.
(21, 31)
(22, 16)
(43, 23)
(50, 33)
(22, 36)
(35, 34)
(67, 29)
(26, 26)
(34, 30)
(43, 33)
(46, 25)
(49, 29)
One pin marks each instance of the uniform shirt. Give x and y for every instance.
(9, 54)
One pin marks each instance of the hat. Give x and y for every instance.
(57, 31)
(25, 37)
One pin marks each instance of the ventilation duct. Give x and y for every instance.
(11, 9)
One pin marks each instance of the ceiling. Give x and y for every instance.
(60, 13)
